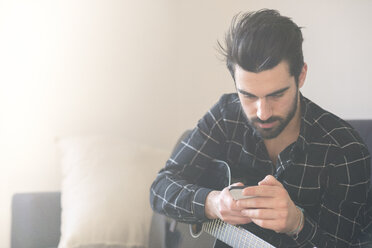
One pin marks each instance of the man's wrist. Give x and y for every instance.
(300, 224)
(210, 205)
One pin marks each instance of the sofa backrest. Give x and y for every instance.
(364, 128)
(36, 220)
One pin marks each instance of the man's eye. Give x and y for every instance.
(277, 95)
(250, 97)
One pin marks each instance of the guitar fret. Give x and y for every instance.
(211, 223)
(215, 227)
(240, 238)
(241, 244)
(237, 235)
(227, 233)
(231, 234)
(224, 232)
(234, 235)
(246, 242)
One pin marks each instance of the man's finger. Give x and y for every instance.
(270, 180)
(268, 224)
(257, 202)
(236, 184)
(264, 214)
(234, 220)
(262, 190)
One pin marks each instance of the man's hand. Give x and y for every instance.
(272, 208)
(220, 204)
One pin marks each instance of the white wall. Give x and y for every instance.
(337, 48)
(75, 68)
(148, 70)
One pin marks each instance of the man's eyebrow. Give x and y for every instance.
(243, 92)
(278, 91)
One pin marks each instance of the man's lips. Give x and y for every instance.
(266, 125)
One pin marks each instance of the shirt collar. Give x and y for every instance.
(307, 121)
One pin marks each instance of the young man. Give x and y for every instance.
(309, 169)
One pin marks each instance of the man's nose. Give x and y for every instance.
(264, 110)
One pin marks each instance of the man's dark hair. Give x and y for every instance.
(258, 41)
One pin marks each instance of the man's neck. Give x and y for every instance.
(285, 138)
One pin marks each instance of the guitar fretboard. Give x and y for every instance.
(234, 236)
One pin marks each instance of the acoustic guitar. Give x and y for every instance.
(209, 234)
(167, 233)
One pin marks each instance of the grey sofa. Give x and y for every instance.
(36, 217)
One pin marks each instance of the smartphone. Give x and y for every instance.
(236, 192)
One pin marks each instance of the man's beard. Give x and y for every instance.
(271, 133)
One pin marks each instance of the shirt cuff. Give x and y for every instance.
(307, 231)
(199, 203)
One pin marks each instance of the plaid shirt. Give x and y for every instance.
(326, 172)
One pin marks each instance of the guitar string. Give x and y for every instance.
(224, 226)
(212, 228)
(233, 228)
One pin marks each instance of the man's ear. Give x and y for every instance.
(302, 77)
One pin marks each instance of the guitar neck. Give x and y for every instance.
(234, 236)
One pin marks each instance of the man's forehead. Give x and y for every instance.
(265, 82)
